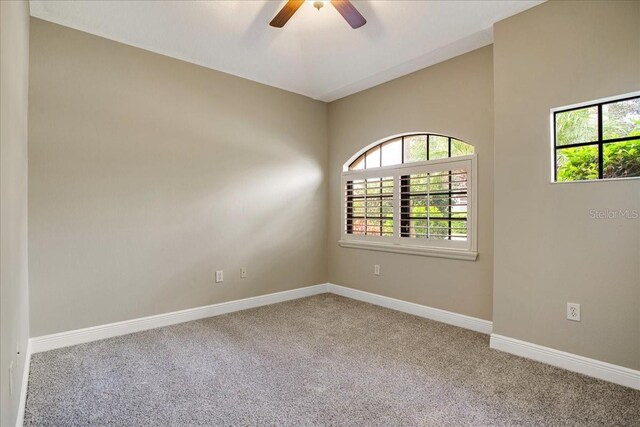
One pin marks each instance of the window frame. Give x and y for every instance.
(600, 142)
(463, 250)
(379, 143)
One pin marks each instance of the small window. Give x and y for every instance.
(412, 194)
(597, 141)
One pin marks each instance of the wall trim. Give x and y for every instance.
(24, 386)
(569, 361)
(455, 319)
(95, 333)
(572, 362)
(410, 250)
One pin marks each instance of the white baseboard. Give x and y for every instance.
(25, 384)
(571, 362)
(94, 333)
(455, 319)
(606, 371)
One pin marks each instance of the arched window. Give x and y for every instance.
(410, 148)
(412, 193)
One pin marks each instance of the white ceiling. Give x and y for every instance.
(316, 54)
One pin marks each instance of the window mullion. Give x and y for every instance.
(449, 210)
(450, 178)
(380, 214)
(428, 205)
(366, 207)
(349, 206)
(396, 207)
(600, 146)
(405, 205)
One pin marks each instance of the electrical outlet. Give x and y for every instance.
(376, 269)
(219, 276)
(573, 311)
(243, 272)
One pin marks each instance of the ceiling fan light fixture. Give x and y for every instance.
(318, 4)
(344, 7)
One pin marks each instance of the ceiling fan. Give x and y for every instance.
(344, 7)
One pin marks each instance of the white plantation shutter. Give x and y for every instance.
(370, 206)
(434, 205)
(418, 204)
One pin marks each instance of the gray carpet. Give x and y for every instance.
(323, 360)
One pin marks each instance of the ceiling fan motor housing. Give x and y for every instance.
(344, 7)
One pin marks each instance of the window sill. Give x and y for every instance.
(411, 250)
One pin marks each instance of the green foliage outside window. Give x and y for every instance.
(620, 159)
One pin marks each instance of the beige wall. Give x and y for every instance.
(14, 292)
(453, 98)
(548, 250)
(147, 174)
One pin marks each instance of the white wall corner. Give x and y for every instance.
(455, 319)
(571, 362)
(25, 384)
